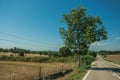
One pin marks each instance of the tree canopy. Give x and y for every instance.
(82, 30)
(64, 51)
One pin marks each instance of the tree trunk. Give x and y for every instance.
(78, 60)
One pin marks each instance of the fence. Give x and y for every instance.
(53, 75)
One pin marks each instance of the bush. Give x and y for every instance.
(21, 54)
(3, 58)
(64, 51)
(92, 53)
(61, 59)
(38, 59)
(66, 59)
(11, 55)
(85, 63)
(87, 59)
(82, 68)
(25, 59)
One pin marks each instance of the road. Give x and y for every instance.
(103, 70)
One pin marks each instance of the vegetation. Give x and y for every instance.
(28, 71)
(82, 30)
(76, 75)
(79, 73)
(25, 59)
(109, 52)
(22, 52)
(64, 51)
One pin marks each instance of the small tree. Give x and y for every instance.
(64, 51)
(21, 54)
(82, 30)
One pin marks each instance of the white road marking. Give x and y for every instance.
(117, 75)
(105, 65)
(88, 71)
(111, 63)
(86, 75)
(113, 73)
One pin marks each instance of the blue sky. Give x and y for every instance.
(34, 24)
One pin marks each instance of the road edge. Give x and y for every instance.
(86, 75)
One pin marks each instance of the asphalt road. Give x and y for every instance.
(103, 70)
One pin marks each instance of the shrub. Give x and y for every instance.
(2, 57)
(21, 54)
(87, 59)
(82, 68)
(11, 55)
(38, 59)
(92, 53)
(61, 59)
(64, 51)
(5, 58)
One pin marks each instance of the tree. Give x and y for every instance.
(64, 51)
(1, 49)
(82, 30)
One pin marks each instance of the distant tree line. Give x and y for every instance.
(104, 53)
(63, 52)
(22, 52)
(63, 55)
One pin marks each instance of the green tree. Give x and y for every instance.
(64, 51)
(82, 30)
(1, 49)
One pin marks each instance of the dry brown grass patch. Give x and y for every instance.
(27, 70)
(114, 58)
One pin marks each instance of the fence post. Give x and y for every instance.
(40, 72)
(62, 67)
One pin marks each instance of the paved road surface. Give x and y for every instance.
(103, 70)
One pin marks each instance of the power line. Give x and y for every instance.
(30, 40)
(22, 43)
(8, 40)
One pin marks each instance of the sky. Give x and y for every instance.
(34, 24)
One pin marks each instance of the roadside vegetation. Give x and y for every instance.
(79, 73)
(24, 64)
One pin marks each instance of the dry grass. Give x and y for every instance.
(5, 53)
(115, 58)
(26, 55)
(35, 55)
(26, 70)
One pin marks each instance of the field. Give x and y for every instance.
(114, 58)
(28, 70)
(26, 55)
(19, 69)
